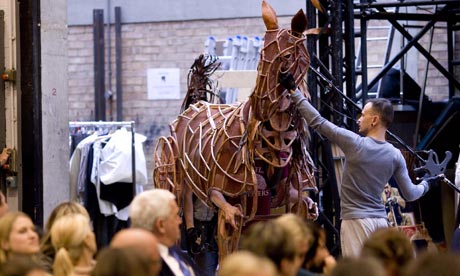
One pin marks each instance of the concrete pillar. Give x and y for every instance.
(54, 104)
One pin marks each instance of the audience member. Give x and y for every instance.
(245, 263)
(358, 266)
(141, 240)
(75, 244)
(318, 259)
(156, 210)
(394, 203)
(303, 237)
(63, 209)
(430, 264)
(392, 248)
(121, 262)
(18, 236)
(268, 239)
(22, 266)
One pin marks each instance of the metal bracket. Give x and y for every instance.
(9, 75)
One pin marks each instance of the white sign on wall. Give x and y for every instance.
(163, 84)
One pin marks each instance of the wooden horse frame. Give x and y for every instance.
(213, 146)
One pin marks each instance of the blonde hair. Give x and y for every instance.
(245, 263)
(64, 208)
(296, 227)
(6, 225)
(68, 234)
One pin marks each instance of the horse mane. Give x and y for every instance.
(201, 87)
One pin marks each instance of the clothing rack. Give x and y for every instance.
(103, 124)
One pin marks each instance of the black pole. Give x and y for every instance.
(337, 53)
(109, 62)
(31, 111)
(450, 54)
(99, 64)
(2, 98)
(118, 64)
(349, 59)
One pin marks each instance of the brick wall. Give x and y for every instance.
(144, 46)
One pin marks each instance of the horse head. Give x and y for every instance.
(284, 50)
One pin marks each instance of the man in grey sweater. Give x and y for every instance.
(370, 162)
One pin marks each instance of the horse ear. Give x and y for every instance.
(299, 23)
(269, 16)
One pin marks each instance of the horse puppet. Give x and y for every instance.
(213, 147)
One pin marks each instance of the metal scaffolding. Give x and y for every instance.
(340, 83)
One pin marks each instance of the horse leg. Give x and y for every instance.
(227, 237)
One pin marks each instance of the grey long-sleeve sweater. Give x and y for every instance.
(369, 164)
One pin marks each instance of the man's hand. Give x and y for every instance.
(392, 200)
(312, 208)
(430, 182)
(287, 81)
(194, 240)
(230, 212)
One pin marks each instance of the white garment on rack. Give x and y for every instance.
(116, 159)
(107, 208)
(101, 167)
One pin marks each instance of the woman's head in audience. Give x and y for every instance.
(391, 247)
(122, 262)
(62, 209)
(73, 239)
(268, 239)
(299, 232)
(18, 236)
(22, 266)
(245, 263)
(439, 264)
(358, 266)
